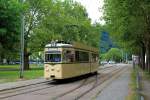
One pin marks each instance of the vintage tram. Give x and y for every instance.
(68, 60)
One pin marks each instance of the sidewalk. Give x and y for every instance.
(13, 85)
(118, 89)
(145, 87)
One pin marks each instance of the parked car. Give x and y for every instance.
(111, 62)
(103, 62)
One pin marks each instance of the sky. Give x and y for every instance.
(93, 8)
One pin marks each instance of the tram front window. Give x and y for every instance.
(52, 57)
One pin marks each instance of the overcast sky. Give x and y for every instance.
(93, 8)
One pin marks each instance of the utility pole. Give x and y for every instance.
(22, 44)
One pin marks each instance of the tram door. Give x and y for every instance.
(90, 55)
(93, 62)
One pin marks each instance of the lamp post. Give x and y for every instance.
(22, 44)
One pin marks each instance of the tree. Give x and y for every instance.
(47, 20)
(66, 21)
(9, 28)
(113, 54)
(34, 12)
(129, 20)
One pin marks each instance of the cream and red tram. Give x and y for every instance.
(63, 60)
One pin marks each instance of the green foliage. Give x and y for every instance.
(127, 22)
(66, 21)
(113, 54)
(45, 20)
(9, 28)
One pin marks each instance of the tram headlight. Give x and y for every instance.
(46, 68)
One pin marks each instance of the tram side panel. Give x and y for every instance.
(94, 62)
(75, 63)
(73, 70)
(85, 68)
(94, 67)
(63, 71)
(83, 57)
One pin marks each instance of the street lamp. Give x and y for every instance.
(22, 44)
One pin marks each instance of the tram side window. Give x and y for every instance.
(52, 57)
(68, 56)
(81, 56)
(94, 57)
(77, 56)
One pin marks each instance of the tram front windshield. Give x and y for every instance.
(52, 57)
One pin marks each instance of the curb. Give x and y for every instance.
(21, 86)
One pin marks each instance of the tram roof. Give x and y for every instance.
(72, 45)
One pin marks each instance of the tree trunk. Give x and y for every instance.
(148, 57)
(140, 59)
(1, 60)
(143, 57)
(26, 59)
(146, 66)
(148, 60)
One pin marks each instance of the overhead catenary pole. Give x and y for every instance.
(22, 44)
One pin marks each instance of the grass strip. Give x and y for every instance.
(13, 75)
(133, 86)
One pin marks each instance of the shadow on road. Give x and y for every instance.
(71, 80)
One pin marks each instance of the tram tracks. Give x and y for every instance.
(94, 85)
(105, 67)
(29, 89)
(115, 74)
(63, 94)
(91, 81)
(25, 90)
